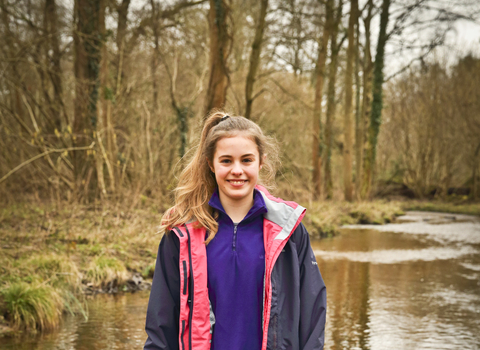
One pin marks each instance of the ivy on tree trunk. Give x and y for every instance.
(377, 105)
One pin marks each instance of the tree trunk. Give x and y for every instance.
(106, 95)
(331, 103)
(87, 41)
(102, 103)
(348, 132)
(366, 104)
(219, 51)
(376, 114)
(255, 58)
(317, 142)
(476, 164)
(358, 119)
(54, 67)
(155, 55)
(120, 40)
(16, 103)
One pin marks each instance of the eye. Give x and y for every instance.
(248, 160)
(225, 161)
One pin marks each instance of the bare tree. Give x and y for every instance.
(220, 42)
(317, 142)
(88, 43)
(377, 103)
(331, 103)
(365, 109)
(358, 120)
(255, 58)
(53, 61)
(348, 132)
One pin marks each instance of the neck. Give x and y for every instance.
(236, 210)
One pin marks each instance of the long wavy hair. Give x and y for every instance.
(197, 182)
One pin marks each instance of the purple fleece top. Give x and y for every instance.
(236, 266)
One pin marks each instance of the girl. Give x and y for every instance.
(235, 270)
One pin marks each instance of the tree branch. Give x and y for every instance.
(46, 153)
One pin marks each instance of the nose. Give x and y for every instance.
(237, 169)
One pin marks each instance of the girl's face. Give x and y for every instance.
(236, 164)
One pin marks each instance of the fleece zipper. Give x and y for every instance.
(234, 244)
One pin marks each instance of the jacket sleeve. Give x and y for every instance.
(313, 295)
(163, 306)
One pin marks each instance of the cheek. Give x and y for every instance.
(254, 172)
(220, 173)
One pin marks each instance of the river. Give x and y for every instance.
(414, 284)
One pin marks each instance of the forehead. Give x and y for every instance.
(235, 145)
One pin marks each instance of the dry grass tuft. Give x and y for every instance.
(32, 307)
(103, 270)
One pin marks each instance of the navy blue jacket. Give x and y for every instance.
(298, 311)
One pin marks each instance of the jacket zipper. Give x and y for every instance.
(234, 247)
(191, 292)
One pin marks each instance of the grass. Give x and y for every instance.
(324, 218)
(456, 207)
(57, 270)
(32, 306)
(103, 270)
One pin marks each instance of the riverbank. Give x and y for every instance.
(52, 256)
(454, 207)
(324, 219)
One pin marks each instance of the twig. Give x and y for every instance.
(14, 170)
(285, 91)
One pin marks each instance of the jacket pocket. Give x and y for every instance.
(184, 264)
(183, 333)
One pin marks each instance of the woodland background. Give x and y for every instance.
(100, 100)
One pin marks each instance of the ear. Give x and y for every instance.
(262, 161)
(210, 165)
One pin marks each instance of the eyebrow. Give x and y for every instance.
(243, 155)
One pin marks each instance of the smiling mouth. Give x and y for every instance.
(237, 182)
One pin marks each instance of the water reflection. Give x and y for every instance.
(403, 286)
(115, 322)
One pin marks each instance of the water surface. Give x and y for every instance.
(411, 285)
(115, 322)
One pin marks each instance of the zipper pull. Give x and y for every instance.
(235, 237)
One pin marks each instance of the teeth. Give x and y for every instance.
(237, 182)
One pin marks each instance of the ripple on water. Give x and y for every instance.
(394, 256)
(471, 266)
(462, 232)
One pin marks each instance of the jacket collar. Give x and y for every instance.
(259, 206)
